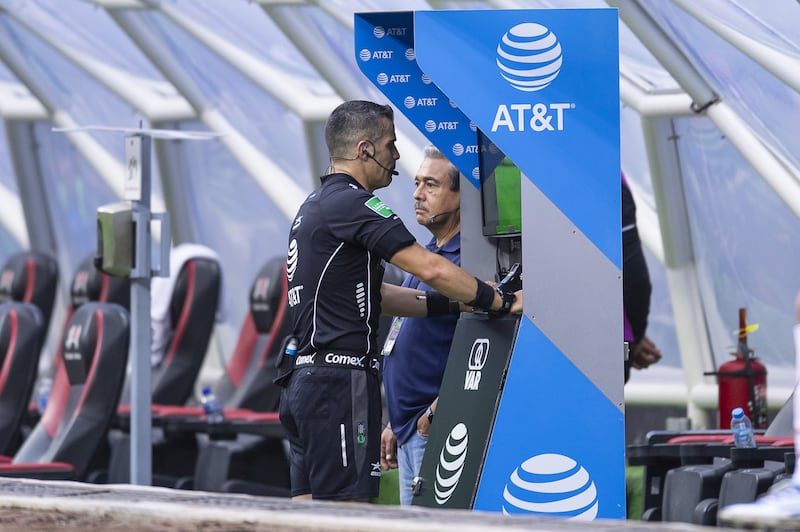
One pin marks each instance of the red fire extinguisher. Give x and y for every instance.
(743, 382)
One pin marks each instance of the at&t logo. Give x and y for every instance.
(551, 484)
(291, 260)
(451, 463)
(529, 57)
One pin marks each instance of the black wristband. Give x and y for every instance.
(440, 305)
(508, 300)
(484, 296)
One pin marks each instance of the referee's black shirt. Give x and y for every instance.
(337, 244)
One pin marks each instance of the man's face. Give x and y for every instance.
(383, 151)
(433, 196)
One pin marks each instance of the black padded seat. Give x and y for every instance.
(22, 333)
(72, 429)
(30, 277)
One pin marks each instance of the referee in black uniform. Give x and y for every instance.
(338, 242)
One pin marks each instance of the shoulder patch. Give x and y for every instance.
(375, 204)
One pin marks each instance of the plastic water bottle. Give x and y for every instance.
(742, 429)
(291, 347)
(43, 393)
(212, 408)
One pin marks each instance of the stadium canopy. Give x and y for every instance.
(710, 144)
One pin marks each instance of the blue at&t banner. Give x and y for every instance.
(384, 45)
(543, 85)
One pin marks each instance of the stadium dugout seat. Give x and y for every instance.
(88, 284)
(245, 453)
(185, 307)
(30, 277)
(246, 385)
(73, 427)
(22, 333)
(246, 390)
(184, 310)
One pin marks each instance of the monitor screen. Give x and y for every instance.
(501, 195)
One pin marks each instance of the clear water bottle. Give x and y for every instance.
(212, 408)
(742, 429)
(43, 393)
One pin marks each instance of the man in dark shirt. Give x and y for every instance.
(636, 288)
(338, 242)
(416, 351)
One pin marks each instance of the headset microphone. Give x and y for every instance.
(432, 219)
(393, 172)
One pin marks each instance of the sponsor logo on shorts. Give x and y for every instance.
(305, 360)
(376, 469)
(345, 360)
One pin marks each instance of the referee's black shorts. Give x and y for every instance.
(333, 418)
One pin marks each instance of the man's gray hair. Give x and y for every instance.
(432, 152)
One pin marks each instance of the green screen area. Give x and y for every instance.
(509, 198)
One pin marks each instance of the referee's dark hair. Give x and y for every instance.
(353, 121)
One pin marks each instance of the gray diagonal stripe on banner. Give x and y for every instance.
(573, 293)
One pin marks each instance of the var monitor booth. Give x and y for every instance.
(525, 103)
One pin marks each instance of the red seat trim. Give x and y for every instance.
(8, 360)
(180, 329)
(30, 265)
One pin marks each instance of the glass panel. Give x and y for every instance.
(71, 90)
(85, 28)
(746, 243)
(633, 153)
(661, 322)
(7, 176)
(74, 191)
(6, 75)
(245, 25)
(8, 245)
(234, 217)
(766, 103)
(776, 27)
(273, 129)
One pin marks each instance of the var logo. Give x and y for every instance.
(477, 359)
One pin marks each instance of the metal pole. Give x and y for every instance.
(137, 154)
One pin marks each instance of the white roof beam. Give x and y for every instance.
(777, 173)
(292, 91)
(17, 103)
(277, 184)
(785, 67)
(654, 104)
(139, 92)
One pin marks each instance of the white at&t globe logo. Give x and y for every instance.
(291, 260)
(529, 57)
(451, 463)
(552, 485)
